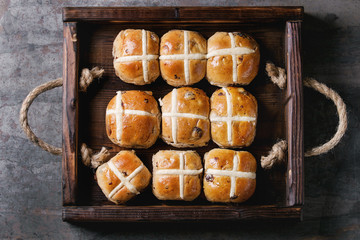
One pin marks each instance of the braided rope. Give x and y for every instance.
(93, 160)
(341, 111)
(24, 110)
(276, 74)
(277, 153)
(87, 76)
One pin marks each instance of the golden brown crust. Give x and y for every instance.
(220, 68)
(167, 187)
(129, 43)
(138, 131)
(243, 104)
(126, 162)
(191, 132)
(172, 71)
(217, 188)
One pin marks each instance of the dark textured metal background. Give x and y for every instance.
(30, 179)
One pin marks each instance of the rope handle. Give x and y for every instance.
(277, 153)
(24, 111)
(87, 77)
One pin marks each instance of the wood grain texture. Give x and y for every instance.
(294, 115)
(211, 14)
(70, 114)
(97, 36)
(185, 213)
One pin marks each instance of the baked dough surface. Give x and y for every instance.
(233, 117)
(136, 54)
(182, 57)
(133, 119)
(229, 175)
(233, 58)
(177, 175)
(185, 122)
(123, 177)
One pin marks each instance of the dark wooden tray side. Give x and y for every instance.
(70, 114)
(209, 14)
(294, 115)
(185, 213)
(280, 112)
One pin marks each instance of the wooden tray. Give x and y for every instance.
(88, 38)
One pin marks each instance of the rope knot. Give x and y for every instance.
(276, 74)
(93, 160)
(87, 76)
(276, 155)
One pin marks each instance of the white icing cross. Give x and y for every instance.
(118, 115)
(119, 112)
(233, 174)
(186, 57)
(144, 57)
(234, 52)
(229, 119)
(174, 115)
(124, 181)
(181, 172)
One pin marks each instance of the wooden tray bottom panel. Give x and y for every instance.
(95, 42)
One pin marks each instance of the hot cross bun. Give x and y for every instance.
(133, 119)
(136, 54)
(185, 118)
(233, 58)
(182, 57)
(123, 177)
(177, 175)
(233, 117)
(229, 175)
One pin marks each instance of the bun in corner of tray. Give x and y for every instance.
(232, 59)
(123, 177)
(230, 176)
(133, 119)
(136, 54)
